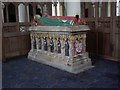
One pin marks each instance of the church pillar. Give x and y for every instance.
(73, 8)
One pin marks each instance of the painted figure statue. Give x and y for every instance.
(34, 43)
(45, 44)
(58, 20)
(40, 43)
(51, 45)
(52, 22)
(59, 45)
(66, 48)
(78, 46)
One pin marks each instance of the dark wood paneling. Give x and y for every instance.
(15, 43)
(100, 43)
(91, 39)
(104, 40)
(107, 45)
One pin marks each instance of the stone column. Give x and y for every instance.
(84, 42)
(62, 48)
(42, 43)
(37, 43)
(31, 37)
(73, 8)
(71, 50)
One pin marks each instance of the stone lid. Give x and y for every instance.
(79, 28)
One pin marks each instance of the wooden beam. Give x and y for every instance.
(96, 14)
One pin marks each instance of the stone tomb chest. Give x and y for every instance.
(63, 47)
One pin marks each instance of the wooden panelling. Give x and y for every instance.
(108, 48)
(15, 43)
(91, 41)
(16, 46)
(116, 46)
(104, 40)
(9, 29)
(100, 43)
(117, 37)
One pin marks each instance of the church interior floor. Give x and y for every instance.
(21, 72)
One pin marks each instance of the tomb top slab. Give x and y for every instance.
(80, 28)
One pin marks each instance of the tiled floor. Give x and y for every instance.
(23, 73)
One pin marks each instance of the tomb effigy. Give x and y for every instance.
(61, 43)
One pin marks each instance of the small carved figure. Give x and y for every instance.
(66, 48)
(40, 43)
(51, 45)
(34, 43)
(45, 44)
(59, 45)
(78, 46)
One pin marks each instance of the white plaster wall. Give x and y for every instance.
(119, 8)
(73, 8)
